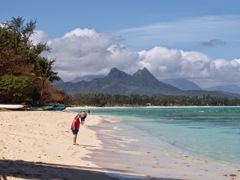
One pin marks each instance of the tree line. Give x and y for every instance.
(101, 100)
(25, 75)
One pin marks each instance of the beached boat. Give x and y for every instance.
(38, 107)
(12, 106)
(59, 108)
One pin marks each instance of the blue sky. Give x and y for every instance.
(196, 40)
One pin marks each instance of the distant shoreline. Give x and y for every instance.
(96, 107)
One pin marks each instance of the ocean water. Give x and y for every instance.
(210, 132)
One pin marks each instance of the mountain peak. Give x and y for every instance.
(144, 73)
(114, 72)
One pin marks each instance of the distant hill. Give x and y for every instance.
(230, 88)
(142, 82)
(87, 78)
(182, 84)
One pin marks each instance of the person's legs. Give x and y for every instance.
(75, 132)
(75, 139)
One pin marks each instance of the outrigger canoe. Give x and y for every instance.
(59, 108)
(38, 107)
(12, 106)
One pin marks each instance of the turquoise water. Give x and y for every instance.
(210, 132)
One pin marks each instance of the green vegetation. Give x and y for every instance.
(144, 100)
(25, 76)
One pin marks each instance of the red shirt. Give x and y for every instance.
(75, 123)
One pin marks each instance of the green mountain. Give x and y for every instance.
(182, 84)
(142, 82)
(118, 82)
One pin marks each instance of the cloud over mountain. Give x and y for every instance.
(83, 52)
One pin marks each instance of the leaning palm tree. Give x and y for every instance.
(43, 71)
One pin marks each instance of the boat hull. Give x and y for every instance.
(38, 108)
(11, 106)
(59, 108)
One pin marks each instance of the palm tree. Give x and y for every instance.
(44, 72)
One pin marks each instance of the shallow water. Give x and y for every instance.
(209, 133)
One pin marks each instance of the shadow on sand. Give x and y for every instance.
(40, 170)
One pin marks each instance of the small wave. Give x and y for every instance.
(117, 128)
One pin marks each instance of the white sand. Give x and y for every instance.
(39, 144)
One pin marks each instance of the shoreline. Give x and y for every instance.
(168, 163)
(112, 107)
(38, 144)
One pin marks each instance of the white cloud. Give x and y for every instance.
(194, 65)
(87, 52)
(160, 60)
(171, 63)
(39, 37)
(225, 71)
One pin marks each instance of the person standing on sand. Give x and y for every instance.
(75, 126)
(83, 116)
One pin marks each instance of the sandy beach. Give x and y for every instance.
(39, 145)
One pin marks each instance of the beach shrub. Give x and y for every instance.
(14, 89)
